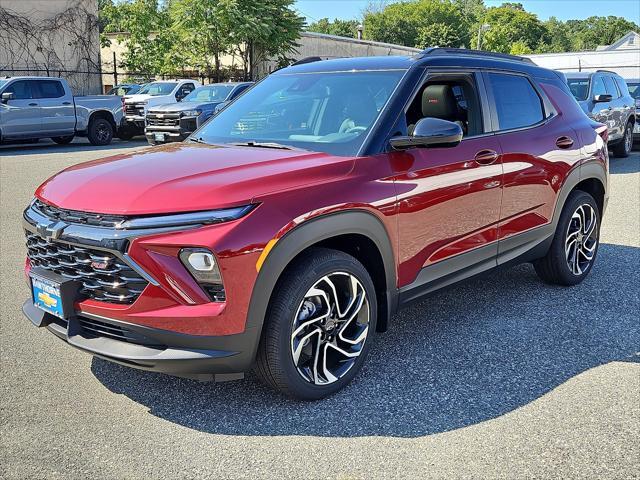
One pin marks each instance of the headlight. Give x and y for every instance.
(191, 113)
(203, 267)
(193, 218)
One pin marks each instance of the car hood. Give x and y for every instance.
(185, 177)
(136, 98)
(184, 106)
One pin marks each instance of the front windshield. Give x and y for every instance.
(325, 112)
(3, 83)
(634, 90)
(211, 93)
(158, 88)
(579, 87)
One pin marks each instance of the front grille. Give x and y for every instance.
(103, 275)
(92, 328)
(163, 120)
(133, 109)
(81, 218)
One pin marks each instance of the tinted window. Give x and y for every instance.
(597, 86)
(238, 91)
(624, 91)
(21, 90)
(517, 103)
(611, 87)
(50, 89)
(579, 87)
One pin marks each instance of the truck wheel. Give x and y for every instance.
(100, 132)
(575, 243)
(63, 140)
(126, 133)
(319, 327)
(623, 148)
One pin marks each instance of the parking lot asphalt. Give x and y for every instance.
(498, 377)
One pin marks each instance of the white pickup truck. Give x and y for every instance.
(44, 107)
(152, 94)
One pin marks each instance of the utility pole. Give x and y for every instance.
(482, 28)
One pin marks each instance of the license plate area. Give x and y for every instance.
(159, 137)
(54, 293)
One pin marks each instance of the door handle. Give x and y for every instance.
(486, 157)
(564, 142)
(66, 103)
(33, 104)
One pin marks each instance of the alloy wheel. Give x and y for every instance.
(582, 239)
(628, 139)
(330, 328)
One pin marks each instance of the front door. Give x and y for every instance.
(21, 116)
(449, 198)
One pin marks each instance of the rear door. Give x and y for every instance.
(58, 111)
(538, 150)
(21, 117)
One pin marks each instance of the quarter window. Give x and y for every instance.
(517, 103)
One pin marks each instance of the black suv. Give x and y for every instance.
(604, 96)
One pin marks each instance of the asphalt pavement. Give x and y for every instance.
(498, 377)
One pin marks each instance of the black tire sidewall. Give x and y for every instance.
(293, 291)
(63, 140)
(575, 199)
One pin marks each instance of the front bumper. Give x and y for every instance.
(192, 356)
(178, 129)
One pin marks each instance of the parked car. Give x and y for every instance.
(604, 96)
(44, 107)
(151, 94)
(173, 122)
(286, 231)
(634, 91)
(125, 89)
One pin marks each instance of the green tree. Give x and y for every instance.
(512, 30)
(595, 31)
(342, 28)
(420, 24)
(558, 37)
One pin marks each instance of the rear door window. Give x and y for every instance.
(517, 103)
(49, 89)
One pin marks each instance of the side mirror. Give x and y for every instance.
(602, 98)
(7, 96)
(430, 132)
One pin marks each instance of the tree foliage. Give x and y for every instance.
(513, 30)
(342, 28)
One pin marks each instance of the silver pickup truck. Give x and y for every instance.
(44, 107)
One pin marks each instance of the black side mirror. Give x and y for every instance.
(7, 96)
(430, 132)
(602, 98)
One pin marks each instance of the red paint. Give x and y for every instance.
(434, 204)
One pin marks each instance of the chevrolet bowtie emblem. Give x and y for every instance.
(51, 231)
(47, 299)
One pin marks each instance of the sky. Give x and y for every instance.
(562, 9)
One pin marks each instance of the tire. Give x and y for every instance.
(126, 133)
(100, 132)
(151, 142)
(63, 140)
(294, 307)
(623, 148)
(575, 229)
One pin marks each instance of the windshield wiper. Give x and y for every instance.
(197, 140)
(262, 145)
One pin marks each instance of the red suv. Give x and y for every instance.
(287, 230)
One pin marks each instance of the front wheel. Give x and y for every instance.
(319, 327)
(100, 132)
(623, 148)
(575, 244)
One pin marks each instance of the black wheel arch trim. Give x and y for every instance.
(308, 234)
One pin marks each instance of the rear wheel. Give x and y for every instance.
(100, 132)
(575, 244)
(623, 148)
(63, 140)
(319, 326)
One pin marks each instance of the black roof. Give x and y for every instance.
(441, 57)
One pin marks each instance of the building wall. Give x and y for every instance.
(52, 37)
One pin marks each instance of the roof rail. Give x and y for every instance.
(302, 61)
(605, 71)
(475, 53)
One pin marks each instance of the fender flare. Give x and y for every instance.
(307, 234)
